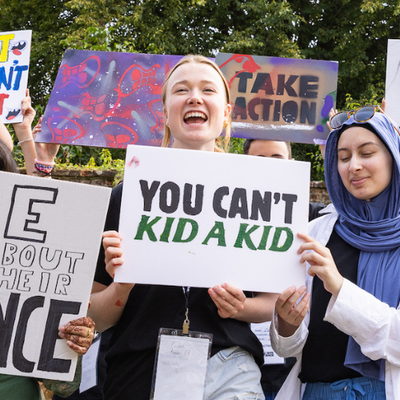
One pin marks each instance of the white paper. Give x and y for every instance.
(14, 61)
(181, 368)
(49, 243)
(210, 250)
(261, 330)
(89, 367)
(392, 95)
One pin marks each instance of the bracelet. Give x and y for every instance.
(24, 141)
(43, 168)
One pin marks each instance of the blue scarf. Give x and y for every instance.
(373, 227)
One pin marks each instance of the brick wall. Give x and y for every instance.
(90, 176)
(318, 193)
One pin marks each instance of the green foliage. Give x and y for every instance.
(98, 39)
(236, 145)
(351, 104)
(50, 22)
(354, 33)
(312, 154)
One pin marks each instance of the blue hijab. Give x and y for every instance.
(373, 227)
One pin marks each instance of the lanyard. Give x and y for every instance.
(186, 322)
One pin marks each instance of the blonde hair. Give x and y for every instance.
(222, 142)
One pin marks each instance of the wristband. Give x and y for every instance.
(44, 167)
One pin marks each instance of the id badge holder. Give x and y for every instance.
(181, 364)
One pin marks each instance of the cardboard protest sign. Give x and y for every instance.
(199, 218)
(392, 95)
(49, 243)
(14, 69)
(280, 98)
(107, 99)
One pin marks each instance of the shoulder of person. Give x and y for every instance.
(314, 210)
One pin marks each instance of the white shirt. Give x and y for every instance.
(372, 323)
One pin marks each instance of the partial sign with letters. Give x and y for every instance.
(280, 98)
(49, 243)
(14, 69)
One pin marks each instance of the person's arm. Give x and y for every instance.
(291, 310)
(372, 323)
(232, 303)
(108, 302)
(291, 307)
(79, 334)
(288, 346)
(288, 331)
(45, 152)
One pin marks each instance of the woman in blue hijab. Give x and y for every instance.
(348, 341)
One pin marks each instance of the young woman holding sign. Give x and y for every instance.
(348, 345)
(196, 109)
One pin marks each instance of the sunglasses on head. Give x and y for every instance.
(362, 114)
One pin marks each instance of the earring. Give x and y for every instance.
(225, 124)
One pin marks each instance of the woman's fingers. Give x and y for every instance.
(112, 251)
(289, 306)
(79, 334)
(228, 299)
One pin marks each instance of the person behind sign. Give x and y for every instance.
(38, 157)
(348, 343)
(79, 333)
(273, 375)
(196, 110)
(282, 151)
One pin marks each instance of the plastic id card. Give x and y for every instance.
(181, 364)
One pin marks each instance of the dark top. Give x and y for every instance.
(130, 356)
(325, 348)
(314, 209)
(273, 375)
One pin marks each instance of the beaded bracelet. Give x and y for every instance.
(24, 141)
(44, 167)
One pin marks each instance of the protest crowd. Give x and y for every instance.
(338, 335)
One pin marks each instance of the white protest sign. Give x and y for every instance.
(49, 244)
(14, 69)
(195, 218)
(392, 95)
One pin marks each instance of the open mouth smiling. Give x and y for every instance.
(195, 117)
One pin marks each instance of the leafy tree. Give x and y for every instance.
(353, 32)
(50, 22)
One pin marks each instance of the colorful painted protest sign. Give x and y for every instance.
(204, 218)
(14, 69)
(49, 243)
(280, 98)
(107, 99)
(392, 95)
